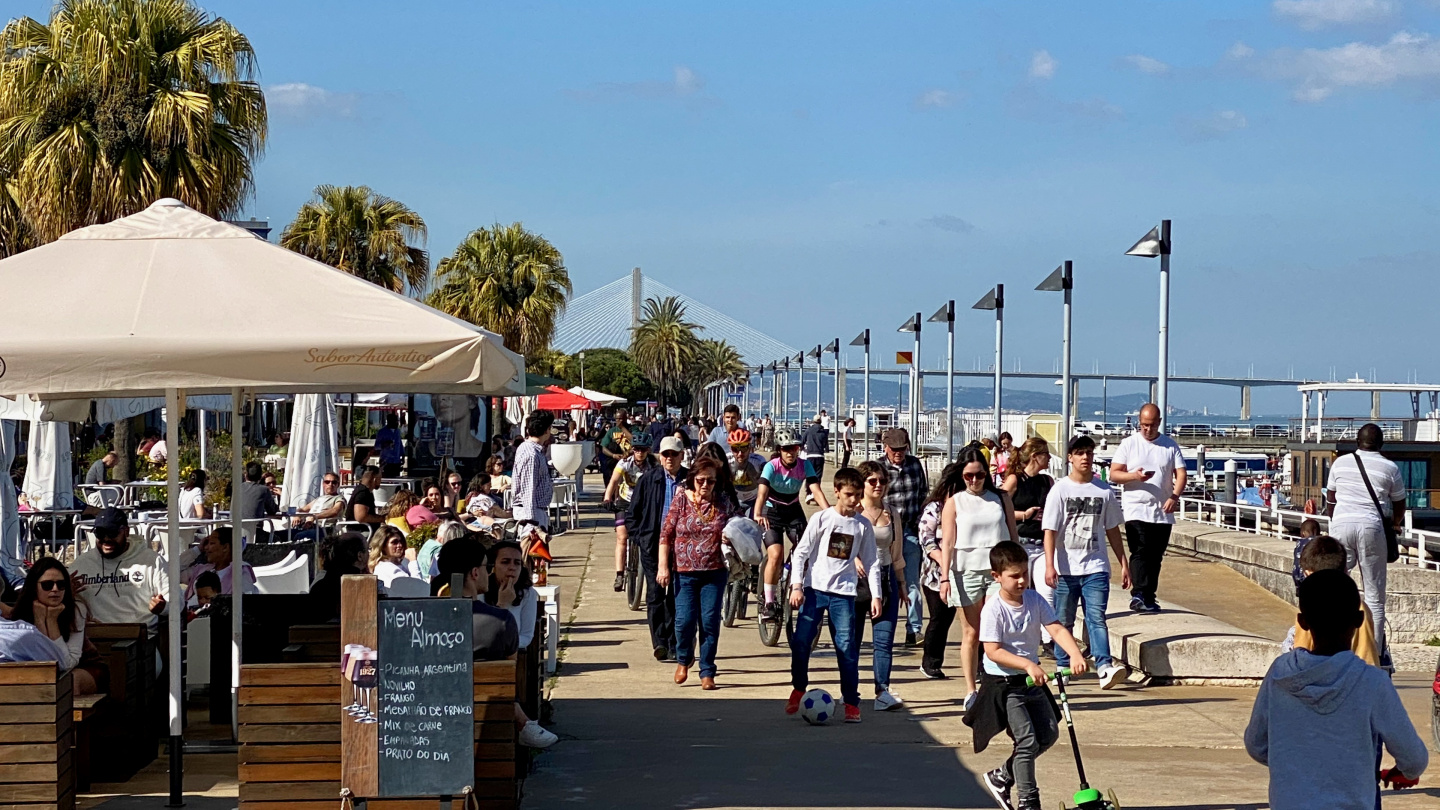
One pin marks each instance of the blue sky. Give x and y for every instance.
(820, 168)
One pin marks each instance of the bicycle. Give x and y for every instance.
(744, 580)
(634, 580)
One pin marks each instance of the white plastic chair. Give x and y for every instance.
(275, 567)
(408, 587)
(294, 577)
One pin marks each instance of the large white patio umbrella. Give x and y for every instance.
(187, 304)
(313, 451)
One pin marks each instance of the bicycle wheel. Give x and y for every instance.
(734, 598)
(770, 628)
(634, 585)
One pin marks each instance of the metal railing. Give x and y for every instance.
(1417, 547)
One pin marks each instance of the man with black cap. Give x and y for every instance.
(905, 498)
(120, 582)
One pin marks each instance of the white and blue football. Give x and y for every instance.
(817, 707)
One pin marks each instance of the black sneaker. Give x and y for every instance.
(932, 674)
(619, 581)
(661, 652)
(1151, 606)
(770, 612)
(999, 784)
(909, 638)
(1047, 650)
(1137, 605)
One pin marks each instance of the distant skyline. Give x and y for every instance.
(815, 169)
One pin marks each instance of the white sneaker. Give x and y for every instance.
(1110, 676)
(532, 735)
(887, 700)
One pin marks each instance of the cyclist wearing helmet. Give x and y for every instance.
(778, 509)
(746, 467)
(729, 422)
(627, 472)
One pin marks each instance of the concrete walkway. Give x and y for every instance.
(631, 738)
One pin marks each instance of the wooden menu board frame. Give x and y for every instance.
(360, 740)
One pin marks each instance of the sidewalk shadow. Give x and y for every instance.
(742, 753)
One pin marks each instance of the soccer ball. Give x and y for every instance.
(817, 707)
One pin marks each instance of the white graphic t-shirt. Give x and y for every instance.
(1080, 514)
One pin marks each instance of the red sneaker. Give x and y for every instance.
(852, 713)
(793, 704)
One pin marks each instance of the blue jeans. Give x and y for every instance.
(698, 597)
(847, 646)
(883, 639)
(913, 557)
(1094, 591)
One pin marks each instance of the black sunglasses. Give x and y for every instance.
(53, 584)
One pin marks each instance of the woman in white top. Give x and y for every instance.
(192, 497)
(47, 601)
(387, 556)
(972, 522)
(510, 587)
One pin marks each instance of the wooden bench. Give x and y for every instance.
(313, 643)
(129, 730)
(36, 737)
(290, 738)
(86, 709)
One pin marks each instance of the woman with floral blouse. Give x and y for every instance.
(690, 539)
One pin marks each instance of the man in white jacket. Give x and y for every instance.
(1321, 717)
(120, 581)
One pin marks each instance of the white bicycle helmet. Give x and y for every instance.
(785, 437)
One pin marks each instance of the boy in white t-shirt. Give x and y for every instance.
(1010, 630)
(822, 578)
(1081, 514)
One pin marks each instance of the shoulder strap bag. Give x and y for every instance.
(1392, 542)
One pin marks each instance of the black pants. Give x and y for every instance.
(938, 633)
(659, 602)
(1147, 542)
(845, 462)
(818, 463)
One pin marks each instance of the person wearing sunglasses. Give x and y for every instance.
(972, 521)
(47, 601)
(326, 507)
(690, 539)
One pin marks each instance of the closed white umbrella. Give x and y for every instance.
(11, 554)
(49, 482)
(313, 451)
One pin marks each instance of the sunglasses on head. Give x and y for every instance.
(52, 584)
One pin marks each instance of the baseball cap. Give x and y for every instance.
(111, 521)
(896, 438)
(671, 444)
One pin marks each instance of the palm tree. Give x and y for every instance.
(716, 361)
(114, 104)
(664, 344)
(15, 234)
(363, 233)
(507, 280)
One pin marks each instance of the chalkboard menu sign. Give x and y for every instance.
(407, 694)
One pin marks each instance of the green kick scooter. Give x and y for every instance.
(1086, 798)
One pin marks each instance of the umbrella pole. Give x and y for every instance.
(237, 599)
(175, 608)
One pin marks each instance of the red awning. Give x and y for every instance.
(558, 399)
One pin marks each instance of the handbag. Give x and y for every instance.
(1392, 541)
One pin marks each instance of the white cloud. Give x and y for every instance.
(936, 98)
(1239, 51)
(1212, 127)
(948, 222)
(306, 101)
(1042, 65)
(1028, 102)
(1312, 15)
(1148, 65)
(1318, 72)
(683, 84)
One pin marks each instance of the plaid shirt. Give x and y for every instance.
(531, 484)
(905, 496)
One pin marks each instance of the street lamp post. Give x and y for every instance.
(819, 372)
(913, 325)
(1154, 244)
(581, 358)
(800, 392)
(995, 299)
(863, 339)
(1063, 280)
(946, 314)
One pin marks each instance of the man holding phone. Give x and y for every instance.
(1150, 472)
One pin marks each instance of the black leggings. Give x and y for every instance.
(941, 617)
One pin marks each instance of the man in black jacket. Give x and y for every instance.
(649, 503)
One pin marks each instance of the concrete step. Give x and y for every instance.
(1179, 646)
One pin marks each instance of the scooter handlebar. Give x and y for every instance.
(1059, 673)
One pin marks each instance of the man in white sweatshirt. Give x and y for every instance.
(120, 581)
(1321, 717)
(822, 578)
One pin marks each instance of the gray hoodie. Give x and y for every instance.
(1319, 722)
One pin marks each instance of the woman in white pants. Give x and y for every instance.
(1028, 483)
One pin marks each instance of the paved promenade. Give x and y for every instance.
(631, 738)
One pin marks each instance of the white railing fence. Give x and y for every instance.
(1417, 547)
